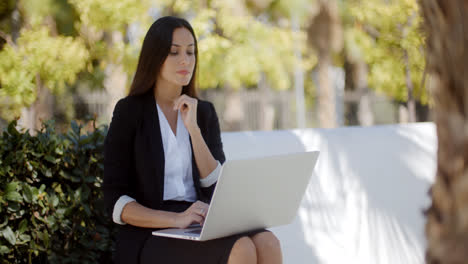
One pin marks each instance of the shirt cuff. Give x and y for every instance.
(212, 177)
(118, 207)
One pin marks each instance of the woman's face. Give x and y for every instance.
(179, 64)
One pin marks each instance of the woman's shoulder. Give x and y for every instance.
(130, 103)
(129, 109)
(131, 100)
(205, 107)
(204, 103)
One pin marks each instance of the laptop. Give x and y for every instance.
(253, 194)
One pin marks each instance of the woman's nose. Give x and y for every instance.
(185, 59)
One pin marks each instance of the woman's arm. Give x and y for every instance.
(118, 181)
(136, 214)
(203, 157)
(188, 107)
(208, 153)
(118, 155)
(214, 143)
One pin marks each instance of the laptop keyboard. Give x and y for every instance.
(194, 231)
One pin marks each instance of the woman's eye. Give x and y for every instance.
(177, 53)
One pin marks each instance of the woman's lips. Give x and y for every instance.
(183, 72)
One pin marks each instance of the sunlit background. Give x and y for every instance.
(265, 64)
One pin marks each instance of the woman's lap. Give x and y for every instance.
(158, 249)
(169, 250)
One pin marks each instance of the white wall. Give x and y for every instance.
(365, 199)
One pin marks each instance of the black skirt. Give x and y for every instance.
(170, 250)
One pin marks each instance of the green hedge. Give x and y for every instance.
(51, 203)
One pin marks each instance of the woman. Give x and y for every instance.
(163, 153)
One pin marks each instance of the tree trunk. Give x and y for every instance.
(325, 35)
(115, 81)
(267, 111)
(410, 102)
(358, 112)
(41, 110)
(233, 117)
(326, 93)
(15, 23)
(446, 24)
(115, 84)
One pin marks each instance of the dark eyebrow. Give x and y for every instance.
(177, 45)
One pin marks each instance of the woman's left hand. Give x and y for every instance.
(188, 110)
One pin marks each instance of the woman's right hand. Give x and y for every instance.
(196, 213)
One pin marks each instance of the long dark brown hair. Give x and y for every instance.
(155, 49)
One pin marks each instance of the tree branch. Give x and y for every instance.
(7, 38)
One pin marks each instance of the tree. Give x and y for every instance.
(105, 27)
(389, 34)
(34, 60)
(292, 15)
(446, 24)
(325, 35)
(357, 108)
(81, 43)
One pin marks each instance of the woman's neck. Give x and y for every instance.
(166, 93)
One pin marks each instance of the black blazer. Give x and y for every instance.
(134, 163)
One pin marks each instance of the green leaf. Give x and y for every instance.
(5, 222)
(75, 179)
(89, 179)
(36, 154)
(12, 129)
(85, 191)
(13, 207)
(85, 140)
(50, 221)
(28, 193)
(48, 173)
(35, 191)
(87, 210)
(24, 238)
(54, 200)
(45, 238)
(75, 127)
(29, 166)
(11, 186)
(14, 196)
(41, 204)
(4, 250)
(23, 226)
(9, 235)
(77, 194)
(58, 151)
(50, 159)
(65, 175)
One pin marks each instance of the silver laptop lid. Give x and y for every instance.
(258, 193)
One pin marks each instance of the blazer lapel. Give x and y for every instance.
(156, 157)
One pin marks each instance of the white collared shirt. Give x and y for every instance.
(178, 180)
